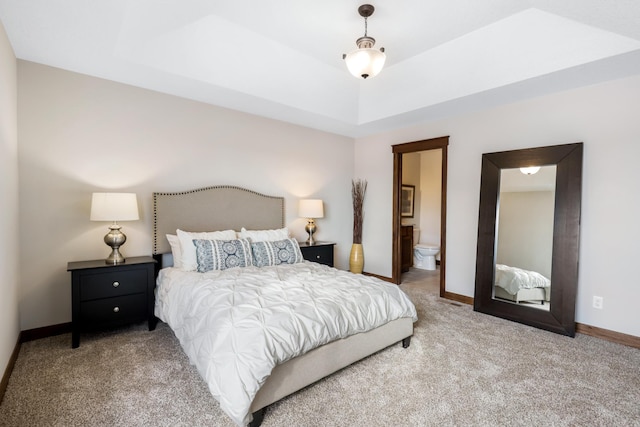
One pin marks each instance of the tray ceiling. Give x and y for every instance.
(282, 59)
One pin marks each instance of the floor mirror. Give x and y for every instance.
(528, 236)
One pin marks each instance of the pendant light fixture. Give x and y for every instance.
(365, 61)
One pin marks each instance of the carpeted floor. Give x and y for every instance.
(462, 369)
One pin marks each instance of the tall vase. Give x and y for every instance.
(356, 258)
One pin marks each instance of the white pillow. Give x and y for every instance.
(176, 250)
(188, 261)
(264, 235)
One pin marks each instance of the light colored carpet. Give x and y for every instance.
(462, 369)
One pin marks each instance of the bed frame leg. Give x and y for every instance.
(406, 342)
(258, 416)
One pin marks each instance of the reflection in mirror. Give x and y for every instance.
(524, 236)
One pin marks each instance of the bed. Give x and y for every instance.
(520, 285)
(318, 347)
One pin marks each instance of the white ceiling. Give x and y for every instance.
(282, 59)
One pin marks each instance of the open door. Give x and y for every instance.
(411, 147)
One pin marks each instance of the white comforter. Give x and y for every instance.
(512, 279)
(236, 325)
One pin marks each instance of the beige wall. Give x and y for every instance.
(9, 327)
(411, 171)
(80, 134)
(424, 170)
(430, 196)
(525, 230)
(604, 117)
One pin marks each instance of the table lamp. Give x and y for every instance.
(310, 209)
(114, 207)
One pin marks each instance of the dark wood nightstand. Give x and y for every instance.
(320, 252)
(105, 295)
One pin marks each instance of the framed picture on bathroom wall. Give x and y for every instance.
(407, 198)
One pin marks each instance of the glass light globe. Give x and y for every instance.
(365, 62)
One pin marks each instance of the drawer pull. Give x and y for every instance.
(116, 284)
(116, 309)
(317, 256)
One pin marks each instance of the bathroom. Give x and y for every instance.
(422, 176)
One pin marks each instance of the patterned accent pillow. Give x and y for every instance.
(277, 252)
(222, 254)
(188, 261)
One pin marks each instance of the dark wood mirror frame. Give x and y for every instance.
(566, 235)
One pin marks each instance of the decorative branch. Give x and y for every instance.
(358, 189)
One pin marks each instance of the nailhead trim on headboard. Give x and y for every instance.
(217, 187)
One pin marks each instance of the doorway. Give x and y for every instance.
(399, 150)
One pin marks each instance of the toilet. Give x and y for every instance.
(424, 254)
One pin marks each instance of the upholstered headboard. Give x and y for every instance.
(213, 208)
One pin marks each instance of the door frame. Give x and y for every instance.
(412, 147)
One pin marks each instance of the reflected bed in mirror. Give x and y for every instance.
(528, 234)
(523, 253)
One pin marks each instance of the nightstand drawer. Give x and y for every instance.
(321, 252)
(111, 284)
(114, 310)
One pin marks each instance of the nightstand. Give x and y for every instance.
(320, 252)
(106, 295)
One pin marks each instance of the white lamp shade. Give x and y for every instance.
(366, 62)
(114, 207)
(310, 208)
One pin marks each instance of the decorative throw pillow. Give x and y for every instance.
(277, 252)
(188, 261)
(222, 254)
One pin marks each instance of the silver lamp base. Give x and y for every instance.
(310, 228)
(115, 238)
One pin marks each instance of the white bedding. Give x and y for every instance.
(236, 325)
(512, 279)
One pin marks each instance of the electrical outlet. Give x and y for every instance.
(597, 302)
